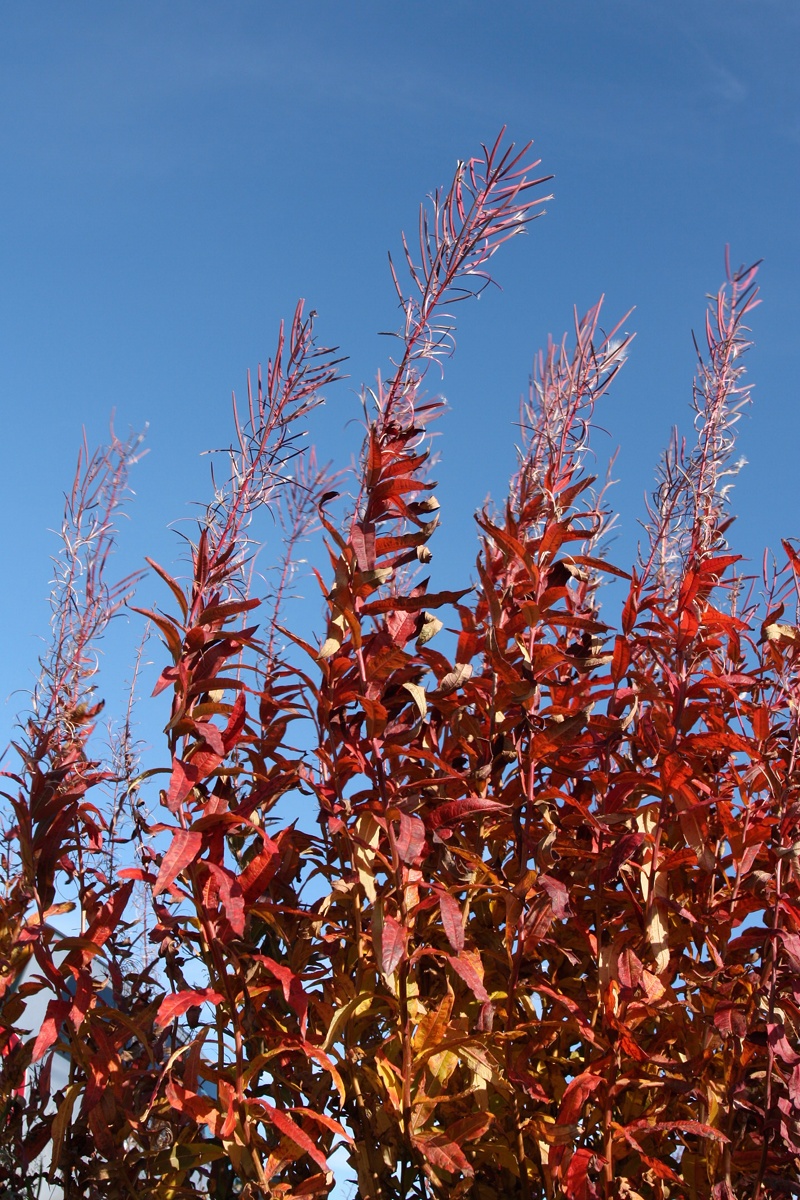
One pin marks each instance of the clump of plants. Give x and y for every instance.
(540, 935)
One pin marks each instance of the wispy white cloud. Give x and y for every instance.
(723, 83)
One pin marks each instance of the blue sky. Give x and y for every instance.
(175, 176)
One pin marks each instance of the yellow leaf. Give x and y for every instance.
(777, 633)
(353, 1008)
(441, 1066)
(430, 627)
(658, 938)
(60, 1123)
(367, 831)
(418, 696)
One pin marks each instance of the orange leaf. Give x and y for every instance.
(462, 966)
(176, 1004)
(442, 1153)
(578, 1092)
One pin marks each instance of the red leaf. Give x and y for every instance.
(776, 1036)
(411, 839)
(220, 613)
(230, 734)
(259, 871)
(84, 998)
(537, 922)
(442, 1153)
(328, 1122)
(109, 916)
(393, 604)
(168, 675)
(453, 811)
(393, 944)
(629, 968)
(467, 1129)
(631, 1047)
(578, 1092)
(289, 1129)
(661, 1169)
(716, 566)
(362, 539)
(630, 609)
(376, 715)
(572, 1007)
(203, 762)
(463, 967)
(452, 920)
(729, 1020)
(621, 658)
(577, 1185)
(184, 776)
(186, 845)
(557, 894)
(625, 849)
(599, 564)
(230, 896)
(56, 1015)
(292, 987)
(176, 1005)
(212, 736)
(696, 1127)
(8, 1047)
(201, 1109)
(172, 584)
(791, 944)
(136, 873)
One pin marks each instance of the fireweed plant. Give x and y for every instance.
(542, 938)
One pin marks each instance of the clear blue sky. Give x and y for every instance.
(175, 175)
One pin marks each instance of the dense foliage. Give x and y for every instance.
(540, 935)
